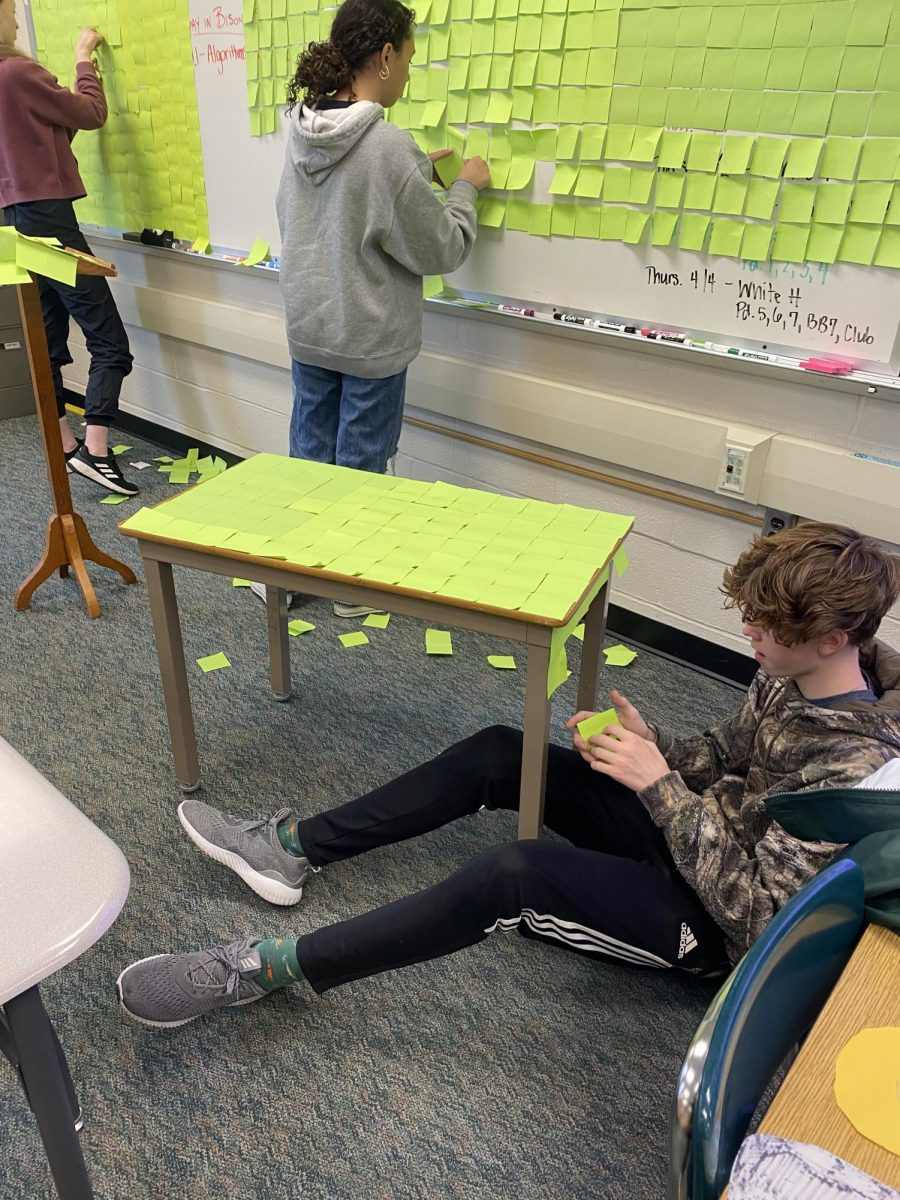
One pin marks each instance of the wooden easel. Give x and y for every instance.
(68, 542)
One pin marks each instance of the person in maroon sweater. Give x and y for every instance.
(39, 180)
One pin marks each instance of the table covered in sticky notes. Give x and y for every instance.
(497, 552)
(516, 569)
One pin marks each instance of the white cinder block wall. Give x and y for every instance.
(210, 362)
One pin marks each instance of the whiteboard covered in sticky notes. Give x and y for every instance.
(732, 168)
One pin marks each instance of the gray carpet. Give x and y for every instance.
(511, 1069)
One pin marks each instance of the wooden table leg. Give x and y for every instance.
(279, 648)
(536, 732)
(594, 634)
(170, 650)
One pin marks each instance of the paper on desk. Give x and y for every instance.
(867, 1084)
(773, 1168)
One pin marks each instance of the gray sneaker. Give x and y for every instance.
(171, 989)
(250, 848)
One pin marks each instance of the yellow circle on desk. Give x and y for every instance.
(867, 1084)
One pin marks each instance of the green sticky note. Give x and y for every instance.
(858, 244)
(578, 632)
(213, 662)
(736, 154)
(258, 251)
(597, 723)
(726, 238)
(113, 499)
(502, 662)
(669, 188)
(698, 191)
(730, 196)
(35, 255)
(803, 158)
(590, 182)
(377, 620)
(790, 243)
(119, 449)
(619, 656)
(438, 641)
(240, 583)
(663, 228)
(539, 220)
(840, 158)
(833, 202)
(879, 158)
(761, 197)
(870, 202)
(295, 628)
(201, 246)
(564, 179)
(797, 202)
(756, 242)
(178, 474)
(163, 458)
(353, 639)
(824, 243)
(768, 157)
(612, 224)
(704, 151)
(888, 253)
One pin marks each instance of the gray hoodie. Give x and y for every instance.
(360, 226)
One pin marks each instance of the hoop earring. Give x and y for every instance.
(384, 73)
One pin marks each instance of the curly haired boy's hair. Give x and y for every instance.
(814, 578)
(360, 29)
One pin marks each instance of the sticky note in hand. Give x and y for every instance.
(597, 723)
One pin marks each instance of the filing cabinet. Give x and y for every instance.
(16, 395)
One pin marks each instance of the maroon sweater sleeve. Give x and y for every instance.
(83, 108)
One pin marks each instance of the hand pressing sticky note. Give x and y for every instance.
(377, 620)
(438, 641)
(213, 662)
(619, 656)
(353, 639)
(295, 628)
(597, 723)
(502, 662)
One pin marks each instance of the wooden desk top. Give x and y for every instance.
(804, 1109)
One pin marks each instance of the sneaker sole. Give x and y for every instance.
(169, 1024)
(269, 889)
(95, 477)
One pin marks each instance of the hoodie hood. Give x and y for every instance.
(321, 140)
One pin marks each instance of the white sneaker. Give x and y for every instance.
(259, 589)
(354, 610)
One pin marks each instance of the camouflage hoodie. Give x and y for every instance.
(711, 806)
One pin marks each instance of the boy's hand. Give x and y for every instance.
(630, 718)
(577, 740)
(627, 757)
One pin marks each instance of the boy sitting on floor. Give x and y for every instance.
(671, 861)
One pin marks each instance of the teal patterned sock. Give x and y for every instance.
(279, 964)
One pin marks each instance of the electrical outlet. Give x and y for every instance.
(775, 520)
(735, 474)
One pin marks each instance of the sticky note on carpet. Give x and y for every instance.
(353, 639)
(164, 458)
(213, 662)
(502, 662)
(377, 620)
(119, 449)
(597, 723)
(179, 475)
(619, 656)
(295, 628)
(113, 499)
(240, 582)
(438, 641)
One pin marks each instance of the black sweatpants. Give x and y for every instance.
(89, 303)
(614, 891)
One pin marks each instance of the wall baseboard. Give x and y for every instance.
(718, 662)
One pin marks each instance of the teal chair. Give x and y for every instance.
(766, 1006)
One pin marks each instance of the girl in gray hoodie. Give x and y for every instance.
(360, 227)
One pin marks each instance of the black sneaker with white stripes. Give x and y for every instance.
(70, 454)
(102, 470)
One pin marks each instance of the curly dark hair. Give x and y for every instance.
(360, 29)
(814, 578)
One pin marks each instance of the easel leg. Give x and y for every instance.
(93, 554)
(76, 562)
(55, 557)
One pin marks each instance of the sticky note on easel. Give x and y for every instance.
(258, 251)
(201, 246)
(597, 723)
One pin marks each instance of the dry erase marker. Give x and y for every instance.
(710, 346)
(514, 308)
(571, 319)
(769, 358)
(616, 328)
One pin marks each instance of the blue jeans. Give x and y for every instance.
(346, 420)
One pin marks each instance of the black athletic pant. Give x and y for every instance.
(614, 891)
(89, 303)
